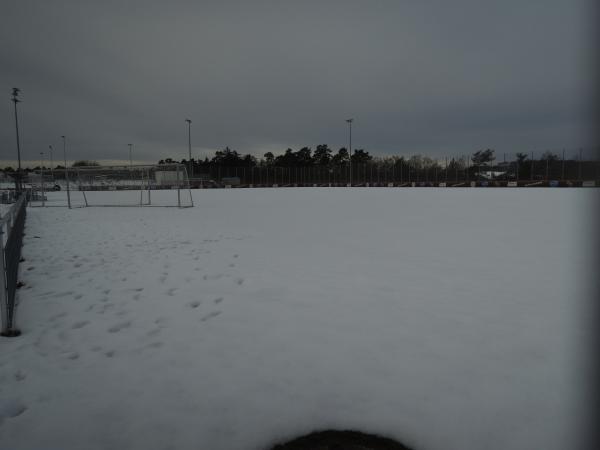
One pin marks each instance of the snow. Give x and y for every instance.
(444, 318)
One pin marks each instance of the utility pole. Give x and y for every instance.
(350, 146)
(15, 100)
(130, 160)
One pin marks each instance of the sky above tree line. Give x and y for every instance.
(431, 77)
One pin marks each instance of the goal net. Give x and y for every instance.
(131, 185)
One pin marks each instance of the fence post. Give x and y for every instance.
(3, 292)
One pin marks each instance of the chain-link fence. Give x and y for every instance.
(540, 172)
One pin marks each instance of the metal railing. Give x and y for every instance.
(12, 226)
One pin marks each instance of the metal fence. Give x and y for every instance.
(12, 226)
(566, 173)
(569, 170)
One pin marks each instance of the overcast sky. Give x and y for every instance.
(437, 77)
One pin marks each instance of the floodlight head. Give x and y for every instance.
(50, 147)
(349, 120)
(15, 94)
(188, 120)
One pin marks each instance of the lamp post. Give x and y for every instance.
(189, 122)
(42, 175)
(51, 163)
(66, 170)
(15, 100)
(350, 146)
(130, 160)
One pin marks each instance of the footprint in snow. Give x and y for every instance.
(194, 304)
(57, 316)
(213, 277)
(80, 324)
(153, 332)
(11, 408)
(20, 375)
(160, 321)
(171, 292)
(105, 307)
(218, 300)
(210, 316)
(119, 326)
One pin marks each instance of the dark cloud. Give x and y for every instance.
(435, 77)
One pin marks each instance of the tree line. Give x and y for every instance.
(480, 164)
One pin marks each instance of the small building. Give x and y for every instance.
(231, 181)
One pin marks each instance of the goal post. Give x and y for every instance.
(132, 185)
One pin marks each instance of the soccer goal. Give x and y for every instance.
(131, 185)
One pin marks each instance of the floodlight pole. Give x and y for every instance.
(66, 171)
(15, 100)
(350, 146)
(42, 176)
(189, 122)
(130, 160)
(531, 174)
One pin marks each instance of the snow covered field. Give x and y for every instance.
(445, 318)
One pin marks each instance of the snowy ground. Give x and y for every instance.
(445, 318)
